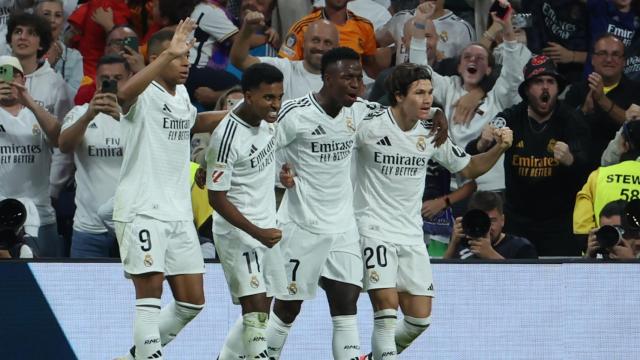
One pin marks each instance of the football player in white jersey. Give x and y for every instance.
(393, 150)
(92, 133)
(320, 239)
(240, 178)
(152, 205)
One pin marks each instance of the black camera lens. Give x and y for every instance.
(476, 223)
(13, 214)
(608, 236)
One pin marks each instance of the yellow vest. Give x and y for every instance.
(199, 200)
(615, 182)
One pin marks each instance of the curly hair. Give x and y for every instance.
(40, 25)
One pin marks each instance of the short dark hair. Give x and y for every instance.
(39, 24)
(612, 36)
(260, 73)
(401, 79)
(154, 46)
(113, 59)
(486, 201)
(613, 208)
(337, 54)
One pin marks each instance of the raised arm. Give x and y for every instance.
(482, 163)
(49, 124)
(207, 121)
(178, 47)
(239, 54)
(71, 136)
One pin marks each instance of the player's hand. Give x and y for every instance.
(633, 112)
(457, 233)
(431, 208)
(269, 237)
(504, 137)
(254, 20)
(562, 153)
(440, 129)
(558, 53)
(180, 43)
(592, 244)
(465, 107)
(286, 176)
(622, 251)
(200, 177)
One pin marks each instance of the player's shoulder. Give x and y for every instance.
(368, 108)
(295, 106)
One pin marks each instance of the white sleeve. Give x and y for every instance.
(451, 156)
(73, 116)
(505, 90)
(286, 129)
(63, 99)
(220, 160)
(215, 23)
(612, 153)
(284, 65)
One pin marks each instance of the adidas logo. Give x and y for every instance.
(93, 126)
(253, 150)
(520, 144)
(156, 355)
(2, 130)
(384, 141)
(166, 108)
(319, 131)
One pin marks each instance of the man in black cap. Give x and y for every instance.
(550, 141)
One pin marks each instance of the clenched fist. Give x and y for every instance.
(562, 153)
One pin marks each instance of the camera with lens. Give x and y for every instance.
(13, 215)
(475, 224)
(609, 236)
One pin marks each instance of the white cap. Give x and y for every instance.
(11, 60)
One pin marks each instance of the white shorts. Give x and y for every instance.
(250, 267)
(309, 256)
(151, 245)
(404, 267)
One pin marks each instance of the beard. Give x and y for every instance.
(543, 104)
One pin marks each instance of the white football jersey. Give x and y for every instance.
(25, 160)
(240, 160)
(319, 148)
(392, 165)
(297, 80)
(97, 158)
(155, 173)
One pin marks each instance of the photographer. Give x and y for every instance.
(494, 244)
(615, 239)
(13, 216)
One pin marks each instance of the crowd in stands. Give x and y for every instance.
(564, 75)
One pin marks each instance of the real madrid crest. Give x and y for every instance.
(374, 277)
(350, 125)
(254, 283)
(148, 260)
(35, 130)
(421, 144)
(293, 288)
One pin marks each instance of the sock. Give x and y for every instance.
(383, 339)
(233, 347)
(146, 335)
(254, 328)
(408, 330)
(346, 340)
(277, 332)
(174, 317)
